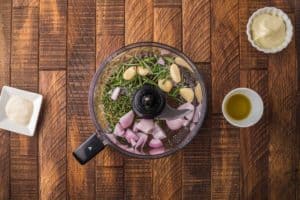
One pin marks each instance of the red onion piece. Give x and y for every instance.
(175, 124)
(155, 143)
(185, 122)
(119, 131)
(134, 128)
(129, 134)
(161, 61)
(197, 114)
(192, 126)
(127, 119)
(158, 133)
(115, 93)
(190, 107)
(145, 125)
(142, 140)
(157, 151)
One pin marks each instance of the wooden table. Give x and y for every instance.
(54, 47)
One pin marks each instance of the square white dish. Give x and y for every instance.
(10, 125)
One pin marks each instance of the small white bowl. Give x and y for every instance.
(288, 24)
(10, 125)
(257, 107)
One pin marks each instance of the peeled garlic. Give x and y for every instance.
(198, 92)
(187, 94)
(175, 73)
(179, 61)
(165, 85)
(143, 71)
(129, 73)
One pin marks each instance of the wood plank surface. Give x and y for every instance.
(254, 142)
(283, 148)
(224, 52)
(138, 21)
(110, 35)
(80, 69)
(138, 27)
(167, 172)
(5, 41)
(24, 75)
(225, 146)
(53, 34)
(53, 137)
(196, 29)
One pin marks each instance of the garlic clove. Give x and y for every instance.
(187, 94)
(143, 71)
(198, 92)
(175, 73)
(129, 73)
(165, 85)
(181, 62)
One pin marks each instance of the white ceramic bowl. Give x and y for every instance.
(10, 125)
(257, 107)
(288, 24)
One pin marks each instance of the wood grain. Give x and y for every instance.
(225, 164)
(24, 75)
(224, 52)
(138, 21)
(110, 34)
(167, 172)
(282, 125)
(250, 58)
(167, 26)
(138, 28)
(254, 142)
(167, 3)
(196, 175)
(53, 137)
(5, 39)
(81, 67)
(287, 6)
(110, 183)
(297, 38)
(52, 31)
(138, 179)
(110, 37)
(225, 158)
(196, 29)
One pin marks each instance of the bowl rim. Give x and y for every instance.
(93, 85)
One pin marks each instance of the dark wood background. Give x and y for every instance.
(54, 46)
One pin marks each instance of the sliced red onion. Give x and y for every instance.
(127, 119)
(185, 122)
(157, 151)
(115, 93)
(158, 133)
(155, 143)
(175, 124)
(142, 140)
(188, 106)
(119, 131)
(132, 142)
(192, 126)
(161, 61)
(145, 125)
(129, 134)
(197, 114)
(134, 128)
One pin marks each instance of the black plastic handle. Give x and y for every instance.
(87, 150)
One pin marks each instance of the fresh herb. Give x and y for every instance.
(114, 110)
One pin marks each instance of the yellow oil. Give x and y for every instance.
(238, 107)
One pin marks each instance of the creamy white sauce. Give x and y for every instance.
(19, 110)
(268, 30)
